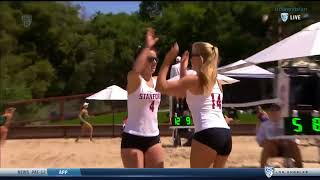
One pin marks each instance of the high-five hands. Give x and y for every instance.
(185, 60)
(151, 38)
(172, 54)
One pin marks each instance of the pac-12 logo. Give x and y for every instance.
(284, 16)
(26, 20)
(268, 171)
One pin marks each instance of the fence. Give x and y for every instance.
(65, 109)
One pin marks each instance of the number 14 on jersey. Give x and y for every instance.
(216, 101)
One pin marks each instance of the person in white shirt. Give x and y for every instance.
(212, 142)
(175, 71)
(276, 147)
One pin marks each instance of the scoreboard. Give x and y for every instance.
(302, 125)
(182, 121)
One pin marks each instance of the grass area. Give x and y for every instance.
(245, 118)
(107, 119)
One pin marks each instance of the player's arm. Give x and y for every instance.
(7, 119)
(220, 85)
(261, 135)
(174, 87)
(228, 119)
(133, 78)
(184, 64)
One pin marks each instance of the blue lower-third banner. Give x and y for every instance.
(174, 173)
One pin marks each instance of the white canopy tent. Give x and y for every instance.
(304, 43)
(110, 93)
(223, 79)
(301, 44)
(250, 71)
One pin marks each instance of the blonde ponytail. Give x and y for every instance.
(208, 71)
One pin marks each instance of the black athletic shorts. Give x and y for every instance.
(219, 139)
(138, 142)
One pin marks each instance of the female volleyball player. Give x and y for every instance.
(5, 122)
(140, 145)
(195, 66)
(85, 125)
(212, 141)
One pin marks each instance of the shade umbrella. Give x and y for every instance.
(303, 43)
(250, 71)
(110, 93)
(223, 79)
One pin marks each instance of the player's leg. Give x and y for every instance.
(202, 156)
(154, 157)
(3, 133)
(269, 149)
(91, 130)
(82, 131)
(220, 161)
(224, 151)
(132, 158)
(294, 152)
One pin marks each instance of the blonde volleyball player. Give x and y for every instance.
(140, 145)
(212, 143)
(5, 122)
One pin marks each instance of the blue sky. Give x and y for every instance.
(109, 6)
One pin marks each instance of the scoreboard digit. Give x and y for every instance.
(177, 121)
(316, 124)
(296, 122)
(188, 120)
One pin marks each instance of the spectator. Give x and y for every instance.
(175, 71)
(276, 147)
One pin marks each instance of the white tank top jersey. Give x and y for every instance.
(207, 110)
(143, 107)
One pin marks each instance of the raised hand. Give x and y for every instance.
(185, 60)
(151, 38)
(172, 54)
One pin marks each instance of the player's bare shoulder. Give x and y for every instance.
(190, 81)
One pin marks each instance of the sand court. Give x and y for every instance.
(105, 153)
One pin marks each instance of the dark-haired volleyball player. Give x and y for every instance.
(5, 122)
(140, 145)
(212, 141)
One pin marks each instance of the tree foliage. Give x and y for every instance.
(62, 54)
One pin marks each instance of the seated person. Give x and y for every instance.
(276, 147)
